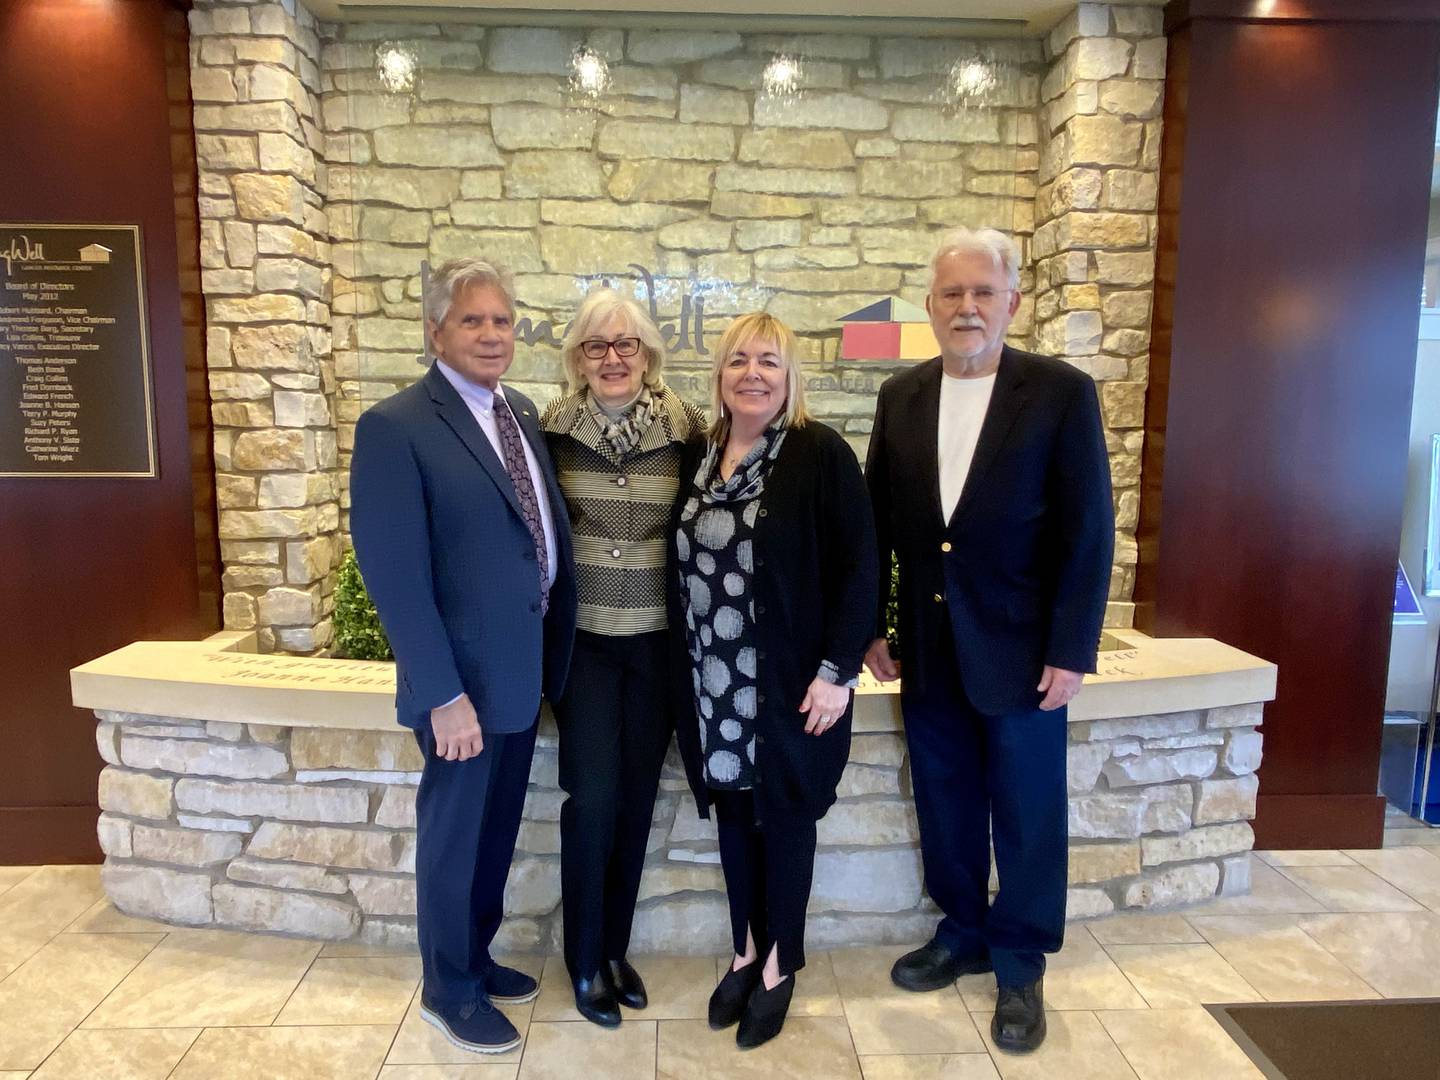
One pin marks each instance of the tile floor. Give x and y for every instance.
(86, 992)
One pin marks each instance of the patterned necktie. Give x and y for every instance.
(519, 471)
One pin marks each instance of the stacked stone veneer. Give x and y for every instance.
(322, 191)
(311, 831)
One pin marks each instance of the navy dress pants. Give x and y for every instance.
(467, 814)
(977, 776)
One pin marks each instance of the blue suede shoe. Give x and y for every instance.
(478, 1027)
(506, 986)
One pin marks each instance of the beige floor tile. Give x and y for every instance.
(1143, 930)
(678, 987)
(347, 949)
(866, 972)
(1177, 1044)
(39, 906)
(809, 1048)
(553, 1051)
(102, 917)
(928, 1067)
(1181, 976)
(1415, 871)
(10, 876)
(449, 1072)
(420, 1043)
(1271, 893)
(359, 990)
(1306, 858)
(816, 992)
(1080, 976)
(1280, 960)
(557, 994)
(934, 1023)
(1349, 888)
(118, 1055)
(1423, 836)
(1398, 953)
(286, 1053)
(7, 1074)
(46, 997)
(1076, 1047)
(208, 978)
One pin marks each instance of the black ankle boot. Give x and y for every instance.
(727, 1003)
(625, 983)
(596, 1002)
(765, 1014)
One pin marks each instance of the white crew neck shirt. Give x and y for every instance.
(963, 403)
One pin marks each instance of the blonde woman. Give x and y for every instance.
(774, 596)
(616, 442)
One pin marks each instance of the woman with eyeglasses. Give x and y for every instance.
(616, 440)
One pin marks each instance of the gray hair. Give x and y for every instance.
(600, 307)
(449, 278)
(989, 243)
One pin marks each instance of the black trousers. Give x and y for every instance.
(614, 723)
(467, 815)
(978, 777)
(768, 868)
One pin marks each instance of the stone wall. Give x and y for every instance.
(323, 190)
(265, 258)
(311, 831)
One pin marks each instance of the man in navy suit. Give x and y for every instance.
(991, 485)
(462, 537)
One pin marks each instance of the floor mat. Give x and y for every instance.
(1347, 1040)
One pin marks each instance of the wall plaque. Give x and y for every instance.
(75, 396)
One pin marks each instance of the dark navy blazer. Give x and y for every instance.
(449, 562)
(1023, 564)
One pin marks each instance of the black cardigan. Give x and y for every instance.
(815, 591)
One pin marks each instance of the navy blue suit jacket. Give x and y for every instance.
(449, 562)
(1023, 564)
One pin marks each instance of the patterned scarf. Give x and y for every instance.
(623, 433)
(748, 479)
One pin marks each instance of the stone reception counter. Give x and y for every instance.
(269, 792)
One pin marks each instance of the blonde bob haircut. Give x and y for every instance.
(758, 326)
(597, 309)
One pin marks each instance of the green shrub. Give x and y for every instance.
(358, 633)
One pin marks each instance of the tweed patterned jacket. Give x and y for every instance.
(620, 509)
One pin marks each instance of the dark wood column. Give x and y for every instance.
(1294, 197)
(96, 128)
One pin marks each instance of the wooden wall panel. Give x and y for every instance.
(96, 129)
(1293, 212)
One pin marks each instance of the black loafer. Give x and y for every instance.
(596, 1003)
(765, 1014)
(625, 983)
(727, 1003)
(933, 966)
(1019, 1023)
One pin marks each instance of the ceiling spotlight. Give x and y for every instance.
(395, 65)
(589, 73)
(970, 82)
(782, 77)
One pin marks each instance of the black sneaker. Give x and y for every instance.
(1019, 1023)
(934, 966)
(477, 1026)
(506, 986)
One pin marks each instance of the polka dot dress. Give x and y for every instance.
(715, 545)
